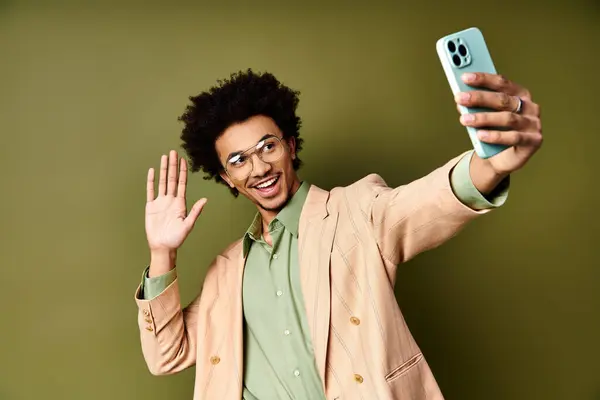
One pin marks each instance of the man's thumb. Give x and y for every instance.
(195, 212)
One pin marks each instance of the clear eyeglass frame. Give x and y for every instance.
(269, 149)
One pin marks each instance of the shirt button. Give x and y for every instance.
(297, 373)
(279, 293)
(358, 378)
(275, 256)
(286, 332)
(355, 321)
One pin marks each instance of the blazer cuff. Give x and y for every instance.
(156, 313)
(467, 193)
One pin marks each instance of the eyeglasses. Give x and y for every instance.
(269, 149)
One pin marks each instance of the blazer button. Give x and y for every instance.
(355, 321)
(358, 378)
(149, 328)
(214, 360)
(146, 313)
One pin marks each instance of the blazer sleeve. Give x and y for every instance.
(415, 217)
(168, 332)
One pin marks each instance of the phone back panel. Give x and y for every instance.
(461, 52)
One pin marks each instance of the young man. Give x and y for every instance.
(303, 305)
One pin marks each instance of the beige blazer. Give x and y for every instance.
(351, 240)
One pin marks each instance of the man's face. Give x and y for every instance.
(268, 185)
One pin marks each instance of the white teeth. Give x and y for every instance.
(267, 183)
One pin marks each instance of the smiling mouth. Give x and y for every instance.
(267, 184)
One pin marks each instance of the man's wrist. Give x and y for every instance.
(484, 176)
(161, 262)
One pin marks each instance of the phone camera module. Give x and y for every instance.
(462, 50)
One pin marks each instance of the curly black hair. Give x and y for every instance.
(243, 95)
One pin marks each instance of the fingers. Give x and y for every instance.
(523, 130)
(494, 100)
(504, 119)
(172, 173)
(162, 180)
(168, 184)
(150, 185)
(192, 216)
(499, 101)
(182, 178)
(511, 138)
(497, 83)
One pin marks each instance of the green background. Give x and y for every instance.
(90, 94)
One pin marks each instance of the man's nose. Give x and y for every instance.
(259, 167)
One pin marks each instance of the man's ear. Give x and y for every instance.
(291, 141)
(226, 179)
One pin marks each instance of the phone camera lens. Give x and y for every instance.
(451, 46)
(456, 60)
(462, 50)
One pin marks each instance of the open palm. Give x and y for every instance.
(167, 221)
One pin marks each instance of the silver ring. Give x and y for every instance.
(519, 108)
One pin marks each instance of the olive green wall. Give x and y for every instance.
(89, 100)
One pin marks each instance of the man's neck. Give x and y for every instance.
(269, 215)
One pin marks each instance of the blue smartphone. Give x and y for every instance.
(462, 52)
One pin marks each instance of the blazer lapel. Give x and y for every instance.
(234, 280)
(315, 239)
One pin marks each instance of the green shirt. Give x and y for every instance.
(279, 361)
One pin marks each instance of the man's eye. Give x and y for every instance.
(237, 161)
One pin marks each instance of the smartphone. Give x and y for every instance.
(462, 52)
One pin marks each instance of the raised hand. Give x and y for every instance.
(167, 221)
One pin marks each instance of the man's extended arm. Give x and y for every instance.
(423, 214)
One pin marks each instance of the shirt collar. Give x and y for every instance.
(289, 217)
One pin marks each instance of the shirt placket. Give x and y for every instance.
(279, 272)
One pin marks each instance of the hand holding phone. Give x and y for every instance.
(502, 119)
